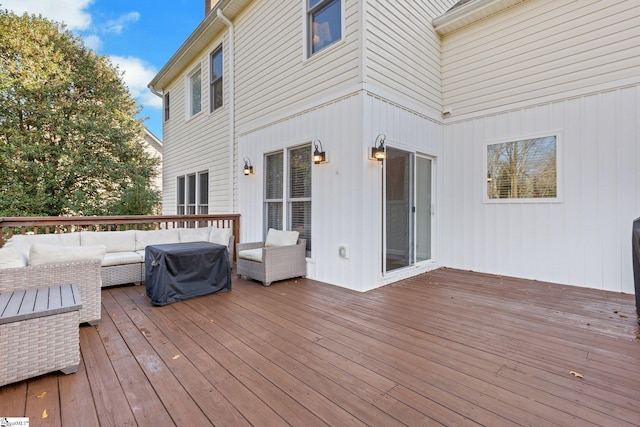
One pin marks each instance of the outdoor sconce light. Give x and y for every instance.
(377, 151)
(248, 168)
(319, 156)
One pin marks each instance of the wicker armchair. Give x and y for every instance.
(84, 274)
(275, 262)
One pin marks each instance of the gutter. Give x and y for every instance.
(468, 13)
(232, 95)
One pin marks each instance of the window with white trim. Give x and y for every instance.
(525, 169)
(288, 191)
(195, 92)
(324, 24)
(215, 81)
(166, 106)
(192, 194)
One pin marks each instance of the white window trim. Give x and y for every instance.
(198, 203)
(224, 100)
(306, 49)
(188, 93)
(166, 107)
(286, 195)
(559, 170)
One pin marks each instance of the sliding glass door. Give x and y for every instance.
(407, 209)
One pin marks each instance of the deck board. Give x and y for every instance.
(446, 348)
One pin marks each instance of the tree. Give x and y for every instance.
(70, 143)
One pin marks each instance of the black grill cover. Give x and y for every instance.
(636, 260)
(179, 271)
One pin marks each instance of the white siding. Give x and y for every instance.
(402, 61)
(585, 239)
(541, 50)
(198, 143)
(346, 192)
(274, 79)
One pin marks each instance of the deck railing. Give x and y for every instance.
(69, 224)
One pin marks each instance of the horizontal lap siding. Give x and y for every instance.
(541, 48)
(584, 239)
(274, 80)
(199, 143)
(403, 52)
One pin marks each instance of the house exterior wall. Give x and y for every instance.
(153, 147)
(539, 67)
(402, 53)
(346, 191)
(546, 67)
(199, 143)
(538, 51)
(273, 75)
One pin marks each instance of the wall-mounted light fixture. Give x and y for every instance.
(377, 151)
(248, 168)
(319, 155)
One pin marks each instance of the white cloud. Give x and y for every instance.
(72, 12)
(93, 42)
(117, 25)
(137, 73)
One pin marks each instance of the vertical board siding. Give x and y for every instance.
(582, 240)
(346, 194)
(198, 143)
(273, 77)
(542, 48)
(402, 51)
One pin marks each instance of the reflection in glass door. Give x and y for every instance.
(423, 208)
(407, 208)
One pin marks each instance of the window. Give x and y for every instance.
(166, 106)
(324, 19)
(195, 93)
(524, 169)
(288, 198)
(192, 194)
(216, 79)
(180, 196)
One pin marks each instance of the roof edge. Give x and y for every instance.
(468, 13)
(183, 52)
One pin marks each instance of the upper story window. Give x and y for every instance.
(324, 18)
(523, 170)
(216, 79)
(195, 93)
(166, 106)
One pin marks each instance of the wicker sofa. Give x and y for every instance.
(281, 256)
(122, 261)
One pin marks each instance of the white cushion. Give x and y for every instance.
(156, 237)
(251, 254)
(23, 242)
(41, 253)
(120, 258)
(194, 234)
(220, 236)
(281, 238)
(11, 258)
(114, 241)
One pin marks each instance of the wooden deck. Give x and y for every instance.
(444, 348)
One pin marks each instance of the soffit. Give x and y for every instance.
(466, 12)
(210, 28)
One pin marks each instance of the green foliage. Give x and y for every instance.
(136, 199)
(70, 142)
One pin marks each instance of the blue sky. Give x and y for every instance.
(139, 36)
